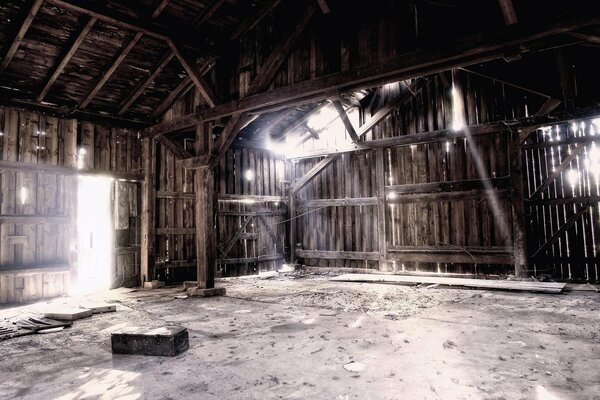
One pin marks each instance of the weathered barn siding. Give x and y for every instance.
(563, 167)
(38, 165)
(444, 231)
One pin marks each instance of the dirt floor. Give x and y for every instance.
(304, 337)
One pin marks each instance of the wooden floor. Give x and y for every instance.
(542, 287)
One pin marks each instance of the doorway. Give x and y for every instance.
(95, 241)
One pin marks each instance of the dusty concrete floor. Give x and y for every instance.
(290, 339)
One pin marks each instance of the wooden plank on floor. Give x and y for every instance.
(543, 287)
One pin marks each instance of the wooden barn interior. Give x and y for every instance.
(390, 199)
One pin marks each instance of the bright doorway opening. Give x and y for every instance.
(94, 234)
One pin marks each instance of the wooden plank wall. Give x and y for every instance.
(175, 232)
(573, 252)
(456, 226)
(38, 203)
(242, 198)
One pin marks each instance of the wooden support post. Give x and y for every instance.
(381, 221)
(205, 228)
(565, 72)
(518, 208)
(292, 215)
(147, 223)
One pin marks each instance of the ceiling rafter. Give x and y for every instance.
(59, 68)
(20, 34)
(137, 92)
(243, 27)
(508, 12)
(117, 61)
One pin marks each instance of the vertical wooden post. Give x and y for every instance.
(147, 223)
(518, 208)
(292, 213)
(69, 133)
(381, 222)
(205, 228)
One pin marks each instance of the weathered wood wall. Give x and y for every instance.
(39, 156)
(433, 220)
(563, 168)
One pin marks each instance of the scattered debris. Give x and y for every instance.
(99, 308)
(69, 314)
(355, 366)
(449, 344)
(268, 275)
(9, 332)
(183, 296)
(154, 284)
(37, 324)
(51, 330)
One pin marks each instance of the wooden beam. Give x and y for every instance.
(181, 36)
(508, 12)
(194, 162)
(12, 46)
(175, 231)
(261, 82)
(248, 198)
(194, 75)
(110, 70)
(148, 212)
(324, 6)
(185, 85)
(205, 228)
(137, 92)
(59, 68)
(251, 260)
(458, 195)
(338, 255)
(339, 107)
(381, 208)
(567, 79)
(35, 219)
(67, 171)
(451, 254)
(585, 37)
(519, 219)
(310, 175)
(229, 245)
(160, 7)
(454, 54)
(563, 228)
(375, 119)
(557, 171)
(450, 186)
(343, 202)
(178, 152)
(549, 105)
(280, 51)
(208, 12)
(250, 23)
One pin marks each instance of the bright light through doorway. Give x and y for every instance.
(94, 234)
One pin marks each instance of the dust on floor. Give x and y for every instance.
(308, 338)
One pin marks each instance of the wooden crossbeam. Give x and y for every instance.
(453, 54)
(110, 70)
(262, 81)
(269, 229)
(137, 92)
(195, 75)
(450, 186)
(177, 151)
(563, 228)
(181, 36)
(585, 37)
(59, 68)
(557, 171)
(377, 118)
(339, 107)
(310, 175)
(250, 23)
(508, 12)
(549, 105)
(325, 9)
(11, 49)
(184, 86)
(160, 7)
(208, 12)
(237, 236)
